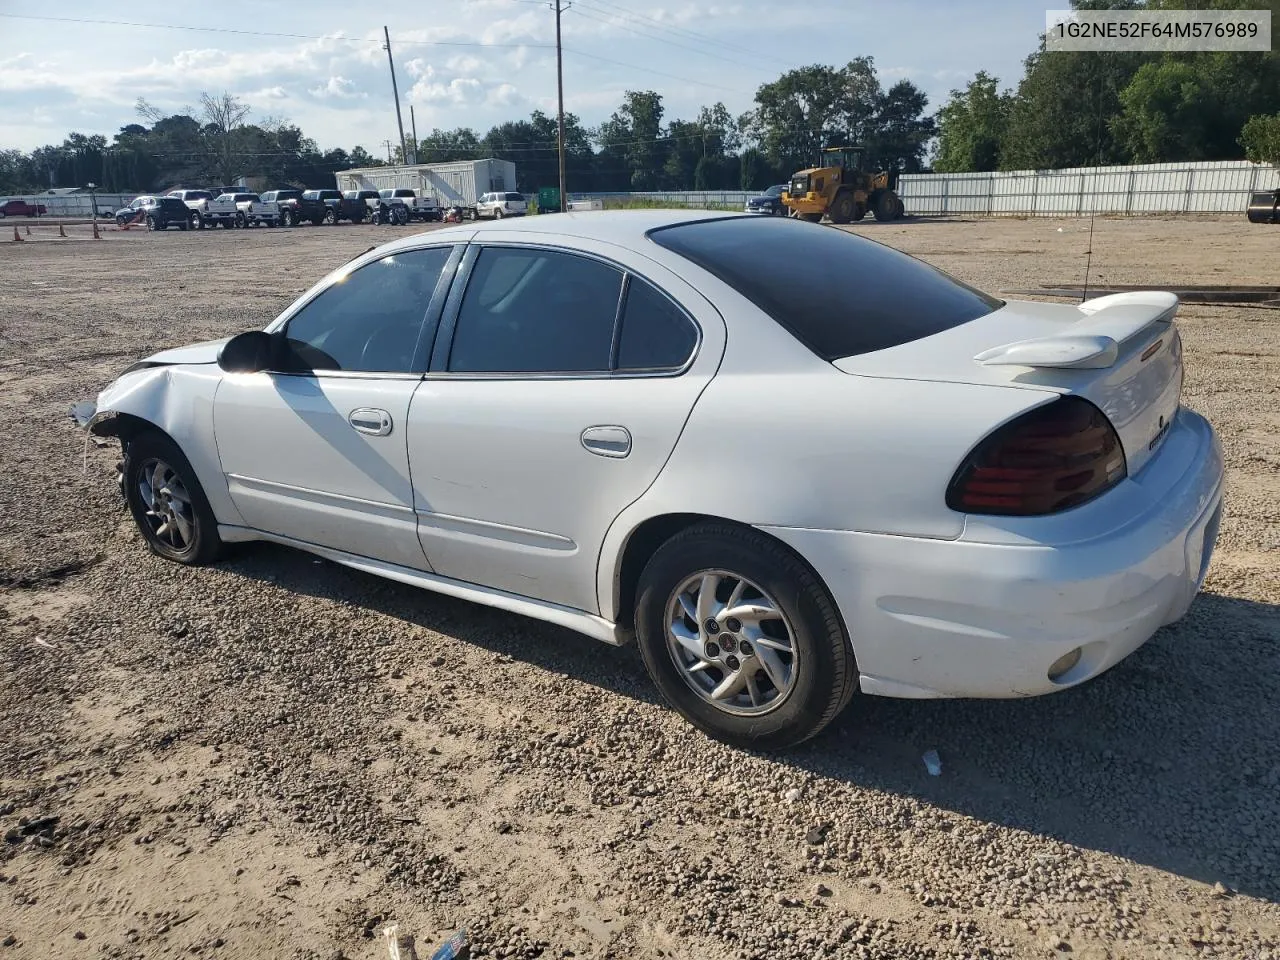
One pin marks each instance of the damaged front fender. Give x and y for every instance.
(177, 400)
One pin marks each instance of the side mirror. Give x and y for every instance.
(248, 352)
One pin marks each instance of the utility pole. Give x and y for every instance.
(560, 8)
(387, 144)
(413, 124)
(395, 92)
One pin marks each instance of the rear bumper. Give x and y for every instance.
(968, 618)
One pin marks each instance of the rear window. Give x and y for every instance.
(515, 196)
(837, 293)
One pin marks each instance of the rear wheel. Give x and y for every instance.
(741, 637)
(289, 218)
(242, 221)
(151, 223)
(167, 502)
(400, 216)
(810, 217)
(330, 217)
(886, 207)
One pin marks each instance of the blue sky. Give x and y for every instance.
(469, 62)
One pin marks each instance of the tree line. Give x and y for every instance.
(637, 148)
(1088, 109)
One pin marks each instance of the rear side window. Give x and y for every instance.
(656, 335)
(837, 293)
(536, 311)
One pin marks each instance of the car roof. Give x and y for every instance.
(623, 227)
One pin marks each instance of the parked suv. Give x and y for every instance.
(499, 205)
(159, 213)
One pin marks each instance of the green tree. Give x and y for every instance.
(1260, 138)
(971, 126)
(1061, 114)
(632, 145)
(443, 146)
(898, 133)
(1166, 114)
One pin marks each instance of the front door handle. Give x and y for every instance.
(607, 441)
(370, 420)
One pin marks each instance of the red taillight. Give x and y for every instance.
(1055, 457)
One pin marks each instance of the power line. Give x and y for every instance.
(658, 39)
(660, 73)
(265, 33)
(682, 31)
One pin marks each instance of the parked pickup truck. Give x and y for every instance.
(211, 209)
(253, 211)
(295, 207)
(418, 208)
(340, 206)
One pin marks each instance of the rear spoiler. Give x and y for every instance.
(1094, 342)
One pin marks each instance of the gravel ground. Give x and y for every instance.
(275, 756)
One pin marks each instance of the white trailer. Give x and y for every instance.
(457, 184)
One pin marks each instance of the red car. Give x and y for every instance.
(20, 208)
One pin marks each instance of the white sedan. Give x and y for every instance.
(791, 462)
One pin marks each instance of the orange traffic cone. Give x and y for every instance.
(16, 235)
(61, 232)
(96, 235)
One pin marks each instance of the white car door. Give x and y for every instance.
(315, 450)
(559, 385)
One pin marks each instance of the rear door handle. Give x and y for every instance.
(607, 441)
(370, 420)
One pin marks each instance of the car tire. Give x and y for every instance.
(809, 653)
(330, 217)
(242, 222)
(497, 213)
(167, 502)
(886, 207)
(151, 223)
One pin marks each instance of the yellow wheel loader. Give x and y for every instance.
(838, 188)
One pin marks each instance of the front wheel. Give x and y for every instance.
(742, 638)
(167, 502)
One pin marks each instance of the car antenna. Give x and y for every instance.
(1093, 207)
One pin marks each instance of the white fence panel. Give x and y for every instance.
(1145, 189)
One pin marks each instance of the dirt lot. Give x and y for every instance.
(271, 757)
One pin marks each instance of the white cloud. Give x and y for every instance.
(460, 91)
(339, 87)
(267, 93)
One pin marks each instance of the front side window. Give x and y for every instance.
(536, 311)
(370, 321)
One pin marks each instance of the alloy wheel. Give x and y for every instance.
(731, 642)
(167, 504)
